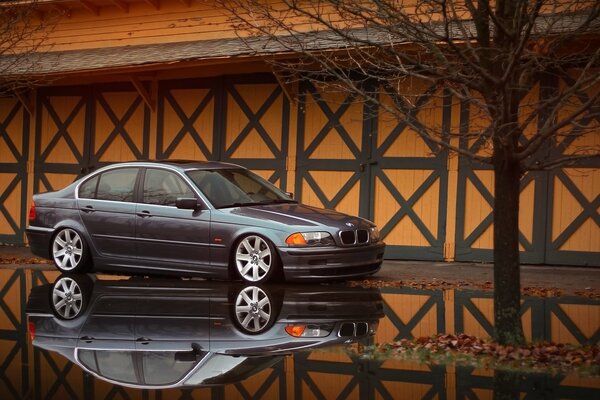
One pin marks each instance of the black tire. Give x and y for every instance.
(69, 251)
(255, 259)
(69, 295)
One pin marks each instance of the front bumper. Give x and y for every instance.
(331, 262)
(39, 240)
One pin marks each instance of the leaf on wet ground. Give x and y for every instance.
(441, 284)
(470, 350)
(23, 260)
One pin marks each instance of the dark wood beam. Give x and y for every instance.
(121, 5)
(27, 99)
(154, 3)
(146, 95)
(90, 7)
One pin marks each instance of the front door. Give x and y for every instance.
(176, 238)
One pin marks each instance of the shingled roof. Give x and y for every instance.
(59, 62)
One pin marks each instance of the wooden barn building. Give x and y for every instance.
(156, 79)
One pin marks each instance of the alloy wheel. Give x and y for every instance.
(253, 309)
(253, 259)
(67, 298)
(67, 249)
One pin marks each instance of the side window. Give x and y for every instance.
(87, 190)
(164, 187)
(117, 185)
(115, 365)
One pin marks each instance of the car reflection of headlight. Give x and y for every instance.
(310, 239)
(374, 234)
(308, 330)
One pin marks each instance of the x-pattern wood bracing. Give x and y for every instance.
(553, 307)
(62, 130)
(17, 334)
(368, 378)
(589, 210)
(470, 383)
(61, 376)
(4, 133)
(8, 190)
(541, 312)
(276, 377)
(303, 366)
(434, 302)
(119, 129)
(187, 128)
(436, 163)
(253, 122)
(407, 207)
(305, 152)
(410, 112)
(464, 240)
(277, 162)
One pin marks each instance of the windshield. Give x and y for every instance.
(236, 187)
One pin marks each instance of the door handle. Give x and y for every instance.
(87, 209)
(144, 214)
(143, 340)
(87, 339)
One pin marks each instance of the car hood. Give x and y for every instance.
(301, 215)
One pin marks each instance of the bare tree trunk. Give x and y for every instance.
(507, 281)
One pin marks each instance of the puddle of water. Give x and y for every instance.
(116, 338)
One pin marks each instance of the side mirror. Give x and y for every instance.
(188, 203)
(290, 194)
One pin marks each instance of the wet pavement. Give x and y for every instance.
(115, 337)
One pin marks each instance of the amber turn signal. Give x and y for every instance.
(296, 239)
(295, 330)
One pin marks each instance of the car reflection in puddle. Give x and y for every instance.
(160, 333)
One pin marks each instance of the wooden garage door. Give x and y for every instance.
(355, 159)
(574, 192)
(243, 120)
(558, 220)
(330, 151)
(256, 126)
(409, 178)
(14, 152)
(188, 115)
(81, 128)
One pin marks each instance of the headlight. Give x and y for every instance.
(374, 234)
(310, 239)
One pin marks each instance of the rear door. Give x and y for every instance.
(107, 208)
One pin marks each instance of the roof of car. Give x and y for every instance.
(182, 164)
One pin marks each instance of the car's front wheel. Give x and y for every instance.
(69, 251)
(255, 259)
(254, 311)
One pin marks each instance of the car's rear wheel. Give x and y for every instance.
(255, 259)
(70, 295)
(69, 251)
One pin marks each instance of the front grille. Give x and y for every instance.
(359, 236)
(354, 329)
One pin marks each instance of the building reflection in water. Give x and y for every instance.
(246, 351)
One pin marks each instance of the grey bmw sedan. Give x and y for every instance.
(210, 219)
